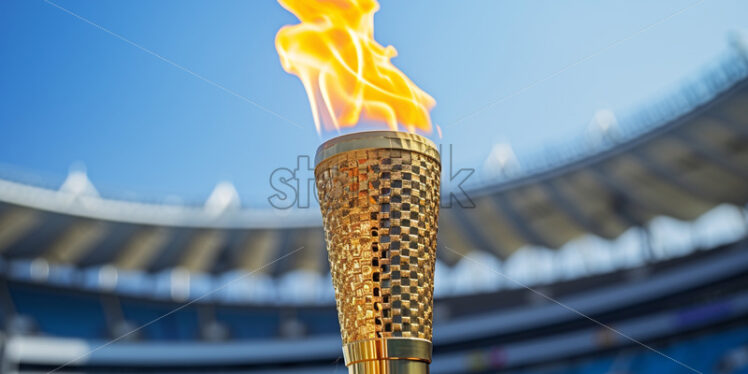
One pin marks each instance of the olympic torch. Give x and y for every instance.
(379, 197)
(378, 190)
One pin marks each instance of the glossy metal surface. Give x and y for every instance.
(379, 196)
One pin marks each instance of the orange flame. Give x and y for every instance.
(345, 72)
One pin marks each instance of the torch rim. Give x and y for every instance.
(376, 140)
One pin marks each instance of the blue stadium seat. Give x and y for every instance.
(61, 313)
(170, 325)
(250, 323)
(703, 354)
(320, 321)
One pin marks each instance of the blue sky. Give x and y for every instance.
(73, 93)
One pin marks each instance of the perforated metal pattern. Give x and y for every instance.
(380, 209)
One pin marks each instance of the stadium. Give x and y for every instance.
(626, 254)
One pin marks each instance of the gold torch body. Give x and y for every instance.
(379, 197)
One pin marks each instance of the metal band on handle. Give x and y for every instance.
(387, 349)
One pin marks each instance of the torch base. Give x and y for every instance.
(388, 355)
(389, 367)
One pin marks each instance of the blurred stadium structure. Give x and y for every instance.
(642, 226)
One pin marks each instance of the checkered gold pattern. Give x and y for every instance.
(380, 209)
